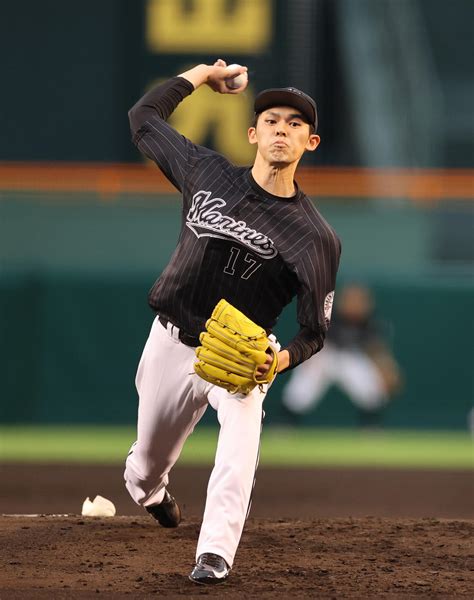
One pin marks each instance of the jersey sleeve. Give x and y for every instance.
(174, 154)
(316, 272)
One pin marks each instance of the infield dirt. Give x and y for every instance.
(313, 533)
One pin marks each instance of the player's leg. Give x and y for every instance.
(171, 401)
(361, 381)
(308, 383)
(232, 479)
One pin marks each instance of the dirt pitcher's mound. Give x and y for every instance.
(132, 557)
(315, 551)
(302, 493)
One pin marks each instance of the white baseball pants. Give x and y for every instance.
(352, 370)
(172, 399)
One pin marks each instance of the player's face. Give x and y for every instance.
(355, 303)
(282, 135)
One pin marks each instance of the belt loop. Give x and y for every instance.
(175, 332)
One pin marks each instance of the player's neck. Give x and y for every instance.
(277, 180)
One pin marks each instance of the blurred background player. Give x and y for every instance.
(356, 358)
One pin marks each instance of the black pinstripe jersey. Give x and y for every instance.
(237, 241)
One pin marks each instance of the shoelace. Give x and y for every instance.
(212, 560)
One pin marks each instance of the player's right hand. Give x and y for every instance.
(219, 72)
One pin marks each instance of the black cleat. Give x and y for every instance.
(210, 568)
(167, 513)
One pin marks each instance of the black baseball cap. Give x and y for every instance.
(288, 96)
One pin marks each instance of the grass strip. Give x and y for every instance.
(280, 447)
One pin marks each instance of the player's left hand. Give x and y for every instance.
(283, 359)
(263, 369)
(233, 349)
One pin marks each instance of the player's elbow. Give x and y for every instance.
(138, 115)
(134, 120)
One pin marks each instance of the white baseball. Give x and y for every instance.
(236, 82)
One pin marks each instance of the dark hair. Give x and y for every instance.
(312, 130)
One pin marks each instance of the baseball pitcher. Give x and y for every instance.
(250, 241)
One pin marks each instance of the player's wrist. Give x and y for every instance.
(283, 360)
(198, 75)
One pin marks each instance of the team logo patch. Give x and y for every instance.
(328, 302)
(205, 220)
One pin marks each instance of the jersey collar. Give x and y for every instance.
(261, 192)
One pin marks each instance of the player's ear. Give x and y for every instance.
(252, 134)
(313, 142)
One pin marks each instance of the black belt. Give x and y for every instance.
(186, 338)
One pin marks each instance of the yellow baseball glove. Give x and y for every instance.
(233, 347)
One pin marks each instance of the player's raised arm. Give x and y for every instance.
(162, 99)
(220, 77)
(156, 139)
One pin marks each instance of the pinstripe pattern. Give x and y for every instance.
(237, 241)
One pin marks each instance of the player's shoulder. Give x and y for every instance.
(206, 155)
(210, 162)
(316, 220)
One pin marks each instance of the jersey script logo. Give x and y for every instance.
(205, 220)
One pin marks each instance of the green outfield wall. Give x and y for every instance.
(74, 277)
